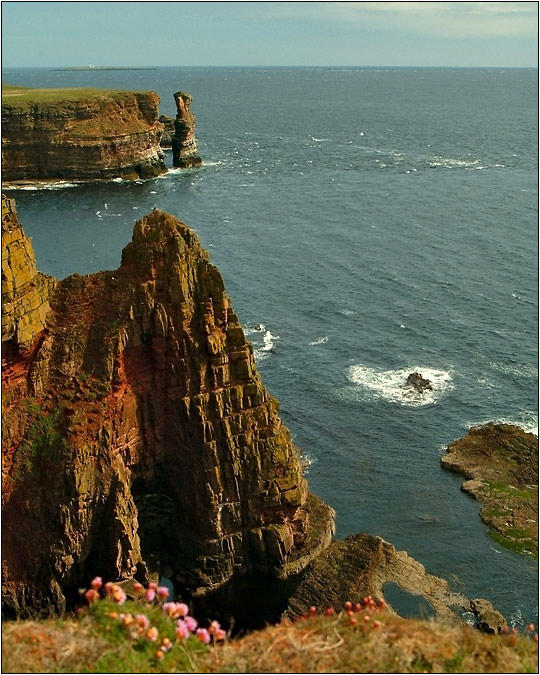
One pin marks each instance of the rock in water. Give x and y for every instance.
(418, 383)
(184, 145)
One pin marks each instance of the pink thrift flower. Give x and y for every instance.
(150, 595)
(152, 634)
(163, 592)
(170, 609)
(220, 634)
(118, 595)
(166, 644)
(91, 596)
(159, 655)
(182, 631)
(96, 583)
(182, 609)
(109, 587)
(214, 627)
(153, 586)
(137, 587)
(191, 623)
(142, 621)
(203, 635)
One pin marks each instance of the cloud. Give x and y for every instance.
(439, 19)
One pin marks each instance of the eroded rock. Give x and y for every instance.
(143, 384)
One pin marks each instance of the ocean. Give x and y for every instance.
(368, 222)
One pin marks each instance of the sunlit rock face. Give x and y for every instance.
(104, 135)
(140, 388)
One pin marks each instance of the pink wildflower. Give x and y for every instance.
(214, 627)
(109, 588)
(203, 635)
(182, 631)
(159, 655)
(91, 596)
(166, 644)
(531, 626)
(126, 619)
(96, 583)
(153, 586)
(150, 595)
(367, 618)
(170, 609)
(118, 595)
(191, 623)
(152, 634)
(329, 611)
(142, 621)
(348, 605)
(163, 592)
(312, 611)
(182, 609)
(220, 634)
(137, 587)
(377, 624)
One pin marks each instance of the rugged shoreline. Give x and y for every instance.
(500, 464)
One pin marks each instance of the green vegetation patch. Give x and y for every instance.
(12, 94)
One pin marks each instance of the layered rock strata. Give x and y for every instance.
(25, 291)
(140, 389)
(168, 131)
(183, 142)
(362, 564)
(93, 134)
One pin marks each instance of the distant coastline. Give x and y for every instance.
(107, 68)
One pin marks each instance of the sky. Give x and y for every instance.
(56, 34)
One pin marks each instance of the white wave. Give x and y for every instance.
(320, 341)
(389, 385)
(268, 343)
(56, 185)
(527, 420)
(318, 140)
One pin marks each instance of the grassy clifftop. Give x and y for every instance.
(15, 95)
(134, 639)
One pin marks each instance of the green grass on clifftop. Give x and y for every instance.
(361, 641)
(13, 94)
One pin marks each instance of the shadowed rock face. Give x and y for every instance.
(104, 136)
(142, 386)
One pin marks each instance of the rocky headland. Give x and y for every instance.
(500, 464)
(86, 134)
(139, 442)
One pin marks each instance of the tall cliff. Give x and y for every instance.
(184, 145)
(136, 429)
(80, 134)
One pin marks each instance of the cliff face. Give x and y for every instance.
(136, 428)
(184, 145)
(98, 134)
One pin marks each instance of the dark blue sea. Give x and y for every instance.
(375, 222)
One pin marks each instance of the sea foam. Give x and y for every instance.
(389, 385)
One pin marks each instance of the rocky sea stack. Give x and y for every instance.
(140, 388)
(140, 442)
(86, 134)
